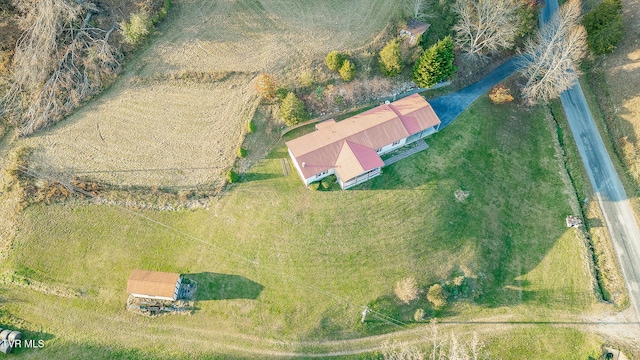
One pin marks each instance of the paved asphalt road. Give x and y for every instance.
(611, 196)
(449, 106)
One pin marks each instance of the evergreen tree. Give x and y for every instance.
(334, 60)
(390, 59)
(604, 26)
(292, 110)
(435, 64)
(347, 70)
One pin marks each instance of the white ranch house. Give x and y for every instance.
(351, 148)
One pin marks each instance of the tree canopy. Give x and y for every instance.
(391, 59)
(293, 110)
(436, 64)
(334, 60)
(604, 26)
(347, 70)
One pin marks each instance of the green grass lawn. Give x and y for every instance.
(280, 267)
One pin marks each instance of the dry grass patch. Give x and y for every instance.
(166, 134)
(622, 74)
(179, 112)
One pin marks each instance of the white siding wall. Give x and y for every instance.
(385, 149)
(313, 178)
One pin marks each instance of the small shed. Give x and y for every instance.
(154, 285)
(413, 30)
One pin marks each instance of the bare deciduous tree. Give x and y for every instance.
(485, 27)
(550, 57)
(57, 64)
(441, 348)
(407, 290)
(402, 351)
(417, 7)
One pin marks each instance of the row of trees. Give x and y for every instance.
(486, 28)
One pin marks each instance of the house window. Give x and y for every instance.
(322, 173)
(378, 149)
(395, 143)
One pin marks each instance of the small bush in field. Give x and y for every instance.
(138, 27)
(306, 79)
(232, 177)
(266, 86)
(437, 296)
(347, 70)
(315, 185)
(251, 127)
(334, 60)
(242, 153)
(500, 94)
(419, 315)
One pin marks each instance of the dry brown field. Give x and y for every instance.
(177, 115)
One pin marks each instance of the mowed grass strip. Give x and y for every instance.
(290, 246)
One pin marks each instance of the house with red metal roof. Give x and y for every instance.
(351, 148)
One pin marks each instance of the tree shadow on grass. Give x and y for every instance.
(213, 286)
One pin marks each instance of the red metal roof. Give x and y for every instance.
(373, 129)
(152, 283)
(355, 159)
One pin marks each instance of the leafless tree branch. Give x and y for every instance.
(485, 27)
(550, 57)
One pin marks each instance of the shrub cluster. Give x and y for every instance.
(500, 94)
(341, 63)
(137, 29)
(324, 184)
(232, 177)
(604, 26)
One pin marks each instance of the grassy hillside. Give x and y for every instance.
(282, 268)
